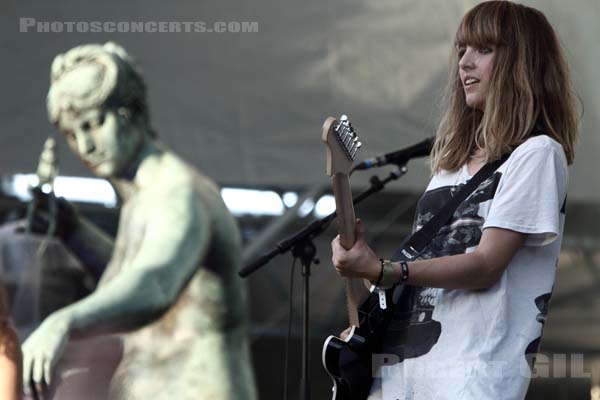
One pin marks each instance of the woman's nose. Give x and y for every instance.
(466, 61)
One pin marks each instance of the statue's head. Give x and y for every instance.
(97, 99)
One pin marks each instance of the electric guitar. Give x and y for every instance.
(349, 361)
(342, 145)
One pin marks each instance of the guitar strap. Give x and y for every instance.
(415, 244)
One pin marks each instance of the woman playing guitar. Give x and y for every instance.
(482, 285)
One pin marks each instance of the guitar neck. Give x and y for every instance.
(346, 229)
(345, 210)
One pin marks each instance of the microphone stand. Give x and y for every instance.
(302, 247)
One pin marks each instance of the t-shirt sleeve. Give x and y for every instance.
(531, 194)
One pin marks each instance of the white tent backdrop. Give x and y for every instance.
(247, 107)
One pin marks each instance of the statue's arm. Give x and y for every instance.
(175, 241)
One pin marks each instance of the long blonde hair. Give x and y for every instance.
(530, 87)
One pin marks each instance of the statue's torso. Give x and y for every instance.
(193, 348)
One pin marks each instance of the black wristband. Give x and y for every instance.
(403, 271)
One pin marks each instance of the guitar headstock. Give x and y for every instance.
(342, 145)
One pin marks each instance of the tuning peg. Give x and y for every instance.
(356, 147)
(345, 121)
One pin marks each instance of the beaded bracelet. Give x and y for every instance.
(387, 280)
(381, 260)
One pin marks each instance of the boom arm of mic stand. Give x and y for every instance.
(313, 229)
(317, 227)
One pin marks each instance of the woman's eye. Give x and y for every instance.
(485, 50)
(460, 52)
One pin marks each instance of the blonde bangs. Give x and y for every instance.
(480, 27)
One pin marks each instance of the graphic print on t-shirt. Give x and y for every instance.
(541, 302)
(463, 231)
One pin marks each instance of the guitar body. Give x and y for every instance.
(350, 370)
(349, 362)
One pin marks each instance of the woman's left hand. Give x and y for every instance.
(359, 261)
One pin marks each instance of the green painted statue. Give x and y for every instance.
(170, 289)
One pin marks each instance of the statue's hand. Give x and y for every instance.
(42, 349)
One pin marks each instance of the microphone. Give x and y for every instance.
(421, 149)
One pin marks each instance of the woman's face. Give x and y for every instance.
(475, 69)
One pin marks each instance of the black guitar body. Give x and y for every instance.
(350, 362)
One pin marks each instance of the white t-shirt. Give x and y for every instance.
(473, 344)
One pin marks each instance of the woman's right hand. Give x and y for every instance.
(358, 262)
